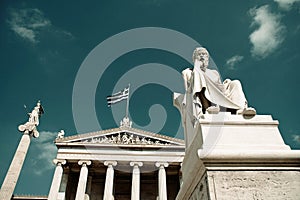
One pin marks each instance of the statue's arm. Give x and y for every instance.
(187, 76)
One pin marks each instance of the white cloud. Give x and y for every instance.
(27, 23)
(286, 4)
(269, 34)
(296, 138)
(231, 62)
(44, 152)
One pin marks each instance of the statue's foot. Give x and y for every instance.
(200, 116)
(246, 111)
(213, 109)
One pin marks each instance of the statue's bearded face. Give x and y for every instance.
(201, 54)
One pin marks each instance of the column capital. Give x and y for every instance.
(110, 162)
(139, 164)
(84, 162)
(59, 162)
(161, 164)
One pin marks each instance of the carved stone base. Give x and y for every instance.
(225, 185)
(231, 157)
(227, 175)
(254, 184)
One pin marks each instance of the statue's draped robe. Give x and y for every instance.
(228, 94)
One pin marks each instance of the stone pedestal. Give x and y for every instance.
(233, 157)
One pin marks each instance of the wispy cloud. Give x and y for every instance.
(286, 4)
(27, 23)
(296, 138)
(269, 34)
(231, 62)
(44, 152)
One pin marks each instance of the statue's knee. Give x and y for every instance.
(236, 84)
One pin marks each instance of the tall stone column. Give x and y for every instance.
(109, 180)
(80, 193)
(54, 189)
(88, 188)
(28, 129)
(162, 180)
(14, 170)
(135, 187)
(63, 185)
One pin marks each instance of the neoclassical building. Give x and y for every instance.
(120, 163)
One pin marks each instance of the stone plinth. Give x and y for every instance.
(232, 157)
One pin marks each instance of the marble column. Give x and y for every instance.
(14, 170)
(80, 193)
(63, 185)
(88, 188)
(180, 175)
(162, 180)
(109, 180)
(54, 189)
(135, 185)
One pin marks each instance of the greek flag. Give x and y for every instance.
(117, 97)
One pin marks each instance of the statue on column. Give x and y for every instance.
(33, 121)
(209, 93)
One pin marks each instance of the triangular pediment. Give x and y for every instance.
(122, 136)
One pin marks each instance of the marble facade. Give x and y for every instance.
(121, 163)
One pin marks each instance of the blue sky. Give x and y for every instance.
(44, 45)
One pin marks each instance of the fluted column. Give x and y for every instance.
(135, 187)
(80, 193)
(109, 180)
(162, 180)
(54, 189)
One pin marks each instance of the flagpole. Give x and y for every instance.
(127, 104)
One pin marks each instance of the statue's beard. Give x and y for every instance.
(203, 64)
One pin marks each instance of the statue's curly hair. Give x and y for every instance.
(197, 50)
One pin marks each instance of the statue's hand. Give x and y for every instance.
(226, 82)
(198, 63)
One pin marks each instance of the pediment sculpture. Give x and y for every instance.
(124, 138)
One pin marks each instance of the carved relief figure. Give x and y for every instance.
(124, 138)
(209, 93)
(60, 134)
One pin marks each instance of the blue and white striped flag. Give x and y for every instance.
(117, 97)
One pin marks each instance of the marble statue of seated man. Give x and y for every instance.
(209, 93)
